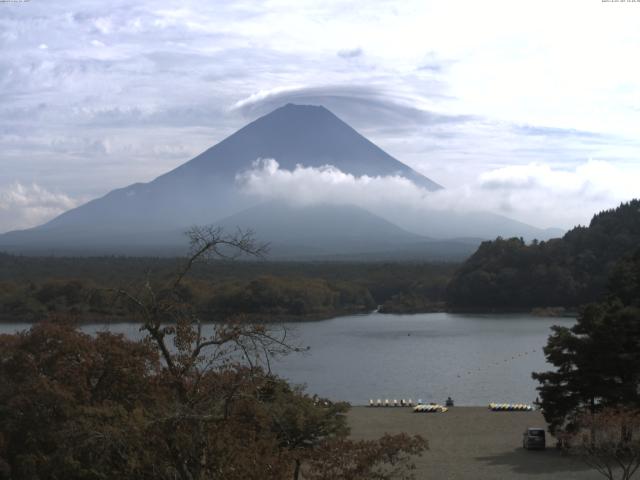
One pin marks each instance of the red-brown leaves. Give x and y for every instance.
(386, 458)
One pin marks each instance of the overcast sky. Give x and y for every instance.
(530, 109)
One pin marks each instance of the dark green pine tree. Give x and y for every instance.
(598, 359)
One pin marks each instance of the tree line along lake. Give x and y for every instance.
(475, 359)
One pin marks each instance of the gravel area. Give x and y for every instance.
(472, 443)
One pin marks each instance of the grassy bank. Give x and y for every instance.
(472, 443)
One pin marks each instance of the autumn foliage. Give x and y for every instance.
(187, 402)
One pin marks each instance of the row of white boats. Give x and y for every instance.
(510, 407)
(430, 408)
(392, 403)
(418, 408)
(434, 407)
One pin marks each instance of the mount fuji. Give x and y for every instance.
(148, 218)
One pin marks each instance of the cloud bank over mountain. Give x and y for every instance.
(23, 206)
(535, 193)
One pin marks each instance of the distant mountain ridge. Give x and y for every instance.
(301, 232)
(147, 217)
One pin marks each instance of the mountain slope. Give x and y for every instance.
(322, 232)
(446, 224)
(320, 229)
(340, 232)
(298, 134)
(204, 191)
(276, 221)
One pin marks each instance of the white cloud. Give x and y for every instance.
(594, 178)
(566, 196)
(328, 184)
(104, 25)
(24, 206)
(537, 194)
(262, 95)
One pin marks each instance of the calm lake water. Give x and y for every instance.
(476, 359)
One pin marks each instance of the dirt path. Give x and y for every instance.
(472, 443)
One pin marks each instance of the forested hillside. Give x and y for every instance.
(568, 272)
(33, 288)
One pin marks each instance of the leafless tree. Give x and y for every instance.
(190, 351)
(175, 326)
(221, 397)
(609, 442)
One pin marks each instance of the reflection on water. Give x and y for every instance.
(475, 359)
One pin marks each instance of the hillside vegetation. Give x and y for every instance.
(566, 272)
(32, 288)
(182, 403)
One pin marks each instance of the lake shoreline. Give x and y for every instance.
(475, 359)
(319, 317)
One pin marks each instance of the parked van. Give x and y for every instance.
(533, 438)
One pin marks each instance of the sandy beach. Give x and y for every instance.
(472, 443)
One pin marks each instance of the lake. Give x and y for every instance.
(475, 359)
